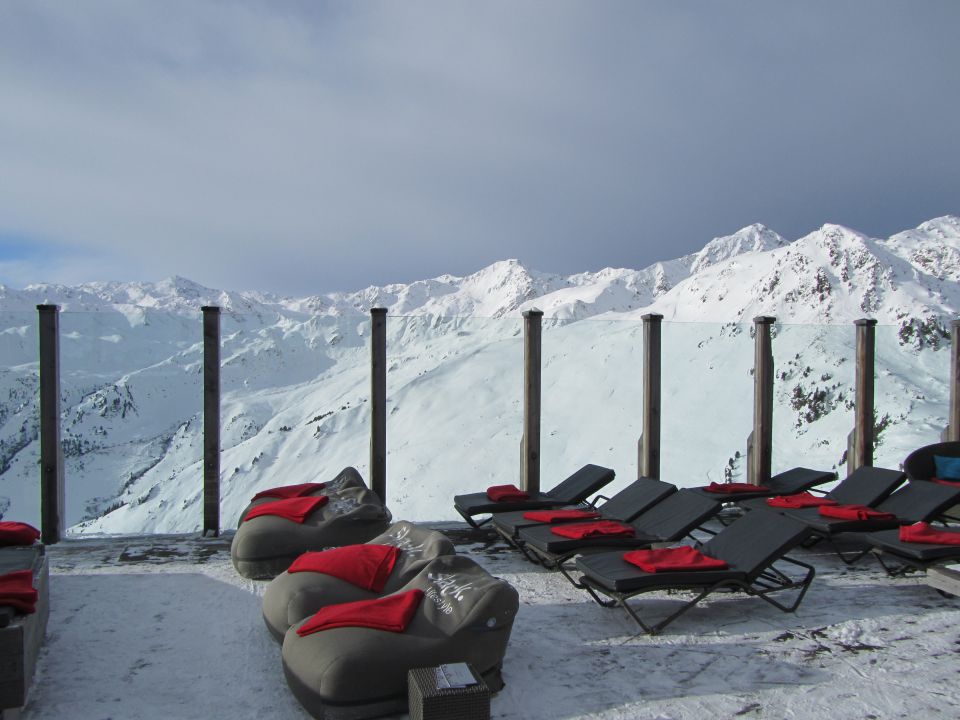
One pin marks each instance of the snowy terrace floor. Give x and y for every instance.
(159, 627)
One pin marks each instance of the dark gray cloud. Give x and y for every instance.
(302, 147)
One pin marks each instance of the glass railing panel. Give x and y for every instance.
(814, 377)
(592, 398)
(707, 403)
(294, 404)
(19, 417)
(131, 425)
(912, 391)
(454, 410)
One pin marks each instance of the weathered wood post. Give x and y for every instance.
(378, 402)
(760, 445)
(530, 469)
(52, 504)
(860, 441)
(953, 412)
(211, 419)
(649, 464)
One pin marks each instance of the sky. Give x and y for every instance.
(305, 147)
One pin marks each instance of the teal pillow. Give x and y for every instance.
(948, 468)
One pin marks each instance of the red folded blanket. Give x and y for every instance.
(800, 500)
(608, 528)
(296, 509)
(17, 533)
(921, 532)
(391, 613)
(854, 512)
(16, 590)
(366, 566)
(506, 493)
(723, 488)
(289, 491)
(550, 516)
(675, 559)
(941, 481)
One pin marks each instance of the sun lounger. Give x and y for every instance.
(452, 611)
(575, 489)
(265, 545)
(899, 556)
(292, 596)
(864, 486)
(754, 548)
(626, 505)
(788, 482)
(668, 521)
(914, 502)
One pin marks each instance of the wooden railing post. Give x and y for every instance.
(211, 420)
(760, 445)
(649, 465)
(530, 469)
(52, 505)
(953, 412)
(860, 441)
(378, 402)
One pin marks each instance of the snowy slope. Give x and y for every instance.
(295, 379)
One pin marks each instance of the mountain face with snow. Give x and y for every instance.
(295, 377)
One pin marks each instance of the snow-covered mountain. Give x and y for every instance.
(295, 376)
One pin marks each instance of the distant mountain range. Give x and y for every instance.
(295, 373)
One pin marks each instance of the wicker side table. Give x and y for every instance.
(428, 702)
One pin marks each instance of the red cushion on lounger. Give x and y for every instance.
(18, 533)
(941, 481)
(675, 559)
(289, 491)
(854, 512)
(506, 493)
(296, 509)
(921, 532)
(549, 516)
(366, 566)
(392, 613)
(578, 531)
(715, 487)
(16, 590)
(800, 500)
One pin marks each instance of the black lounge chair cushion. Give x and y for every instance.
(788, 482)
(265, 546)
(290, 597)
(466, 615)
(889, 541)
(583, 483)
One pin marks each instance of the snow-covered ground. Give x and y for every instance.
(160, 628)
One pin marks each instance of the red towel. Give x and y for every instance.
(16, 590)
(289, 491)
(921, 532)
(941, 481)
(800, 500)
(855, 512)
(578, 531)
(366, 566)
(296, 509)
(549, 516)
(506, 493)
(17, 533)
(675, 559)
(722, 488)
(391, 613)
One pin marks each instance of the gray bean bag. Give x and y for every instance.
(347, 478)
(265, 546)
(465, 615)
(290, 597)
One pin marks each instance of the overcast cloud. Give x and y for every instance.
(303, 147)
